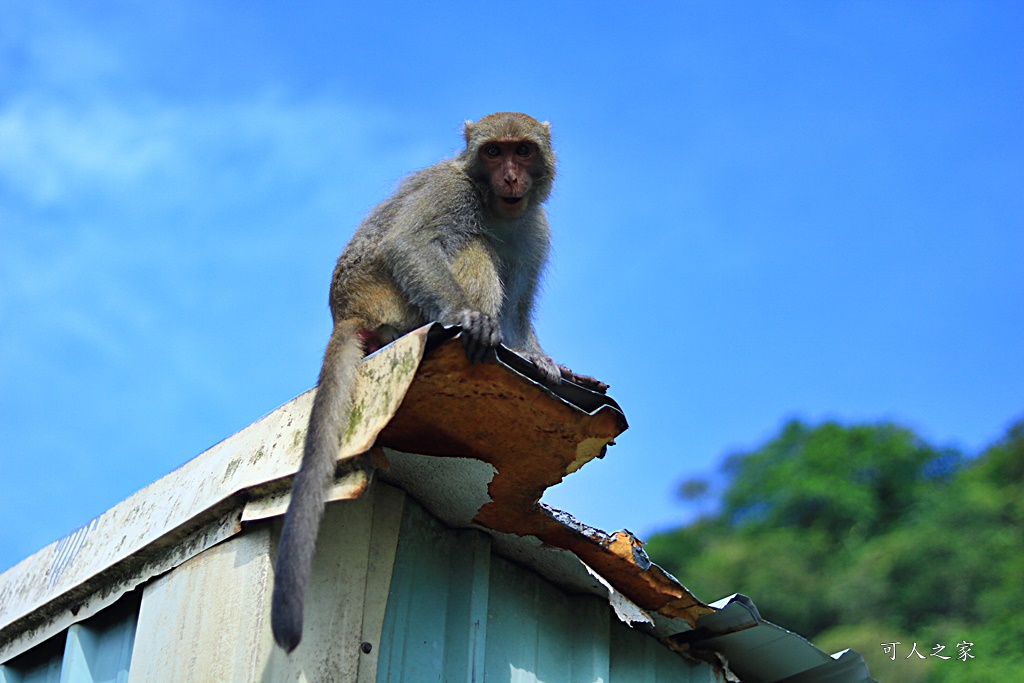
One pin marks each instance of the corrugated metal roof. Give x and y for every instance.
(758, 650)
(493, 414)
(477, 445)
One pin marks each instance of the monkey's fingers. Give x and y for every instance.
(478, 343)
(480, 334)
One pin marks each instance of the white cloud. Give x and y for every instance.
(130, 219)
(54, 149)
(51, 150)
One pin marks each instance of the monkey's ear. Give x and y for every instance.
(546, 125)
(467, 130)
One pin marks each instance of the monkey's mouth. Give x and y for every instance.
(511, 201)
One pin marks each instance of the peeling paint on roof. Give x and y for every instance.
(533, 437)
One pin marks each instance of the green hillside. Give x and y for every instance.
(855, 536)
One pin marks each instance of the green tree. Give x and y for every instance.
(861, 534)
(842, 481)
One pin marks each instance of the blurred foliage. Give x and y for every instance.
(854, 536)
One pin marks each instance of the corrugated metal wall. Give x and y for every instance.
(457, 613)
(396, 596)
(97, 650)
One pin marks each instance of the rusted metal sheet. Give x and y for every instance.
(477, 444)
(435, 403)
(532, 438)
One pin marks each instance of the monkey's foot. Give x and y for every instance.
(585, 381)
(551, 371)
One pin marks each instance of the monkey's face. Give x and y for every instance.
(509, 164)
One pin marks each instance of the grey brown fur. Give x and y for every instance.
(461, 242)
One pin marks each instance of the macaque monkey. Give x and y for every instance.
(462, 242)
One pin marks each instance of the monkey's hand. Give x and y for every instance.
(480, 333)
(551, 371)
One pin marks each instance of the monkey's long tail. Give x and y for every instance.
(331, 408)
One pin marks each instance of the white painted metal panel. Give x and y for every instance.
(266, 451)
(209, 619)
(205, 620)
(115, 587)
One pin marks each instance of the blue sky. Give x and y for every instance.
(764, 211)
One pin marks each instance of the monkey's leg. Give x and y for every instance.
(552, 371)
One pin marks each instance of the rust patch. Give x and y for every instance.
(533, 439)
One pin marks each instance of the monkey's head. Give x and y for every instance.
(509, 157)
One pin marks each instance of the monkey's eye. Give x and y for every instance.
(524, 150)
(492, 151)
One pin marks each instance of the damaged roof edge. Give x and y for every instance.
(738, 631)
(418, 395)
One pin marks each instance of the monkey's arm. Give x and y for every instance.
(454, 282)
(423, 273)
